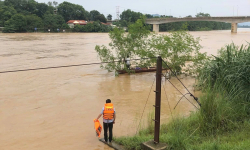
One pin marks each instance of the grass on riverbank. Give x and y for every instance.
(223, 121)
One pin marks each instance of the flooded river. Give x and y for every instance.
(54, 109)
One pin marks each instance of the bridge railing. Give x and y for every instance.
(201, 17)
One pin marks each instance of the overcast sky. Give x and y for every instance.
(166, 7)
(175, 8)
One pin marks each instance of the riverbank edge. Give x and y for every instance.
(183, 133)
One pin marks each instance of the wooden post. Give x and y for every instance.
(158, 100)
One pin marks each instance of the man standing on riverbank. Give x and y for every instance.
(108, 112)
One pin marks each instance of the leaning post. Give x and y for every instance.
(158, 100)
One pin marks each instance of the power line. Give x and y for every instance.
(55, 67)
(182, 94)
(195, 98)
(43, 68)
(168, 102)
(180, 100)
(145, 105)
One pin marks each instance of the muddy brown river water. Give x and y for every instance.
(54, 109)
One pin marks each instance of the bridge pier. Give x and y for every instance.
(234, 27)
(156, 28)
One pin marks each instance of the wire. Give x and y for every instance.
(180, 100)
(182, 94)
(145, 106)
(175, 75)
(43, 68)
(168, 102)
(50, 67)
(195, 98)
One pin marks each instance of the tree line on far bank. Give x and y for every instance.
(28, 15)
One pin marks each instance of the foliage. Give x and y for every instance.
(93, 15)
(124, 45)
(6, 12)
(71, 11)
(202, 15)
(65, 26)
(17, 23)
(195, 26)
(42, 8)
(101, 18)
(127, 17)
(9, 28)
(96, 16)
(22, 6)
(92, 27)
(231, 69)
(33, 21)
(42, 15)
(53, 22)
(176, 49)
(109, 17)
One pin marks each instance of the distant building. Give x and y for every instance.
(72, 23)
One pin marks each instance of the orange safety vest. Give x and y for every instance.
(108, 112)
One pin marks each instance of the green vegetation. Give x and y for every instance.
(26, 15)
(223, 120)
(175, 48)
(53, 16)
(109, 17)
(92, 27)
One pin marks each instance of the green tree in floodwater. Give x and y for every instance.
(176, 49)
(123, 45)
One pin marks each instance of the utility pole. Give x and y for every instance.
(154, 144)
(158, 100)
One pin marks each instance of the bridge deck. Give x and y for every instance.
(236, 19)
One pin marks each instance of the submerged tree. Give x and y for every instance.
(176, 49)
(123, 45)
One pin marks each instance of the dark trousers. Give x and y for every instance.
(106, 127)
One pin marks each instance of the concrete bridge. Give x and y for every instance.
(233, 20)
